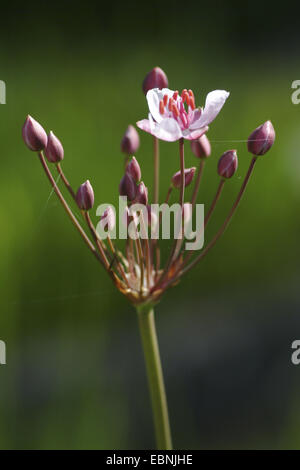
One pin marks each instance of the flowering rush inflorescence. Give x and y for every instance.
(138, 272)
(173, 116)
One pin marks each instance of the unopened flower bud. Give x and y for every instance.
(108, 219)
(188, 177)
(128, 187)
(228, 164)
(130, 141)
(141, 194)
(261, 139)
(85, 196)
(201, 147)
(156, 78)
(54, 150)
(34, 135)
(133, 168)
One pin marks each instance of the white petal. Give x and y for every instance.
(145, 125)
(168, 129)
(214, 102)
(153, 98)
(196, 134)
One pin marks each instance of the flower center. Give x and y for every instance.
(180, 107)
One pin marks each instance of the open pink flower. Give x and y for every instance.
(173, 116)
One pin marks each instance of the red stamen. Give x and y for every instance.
(161, 107)
(192, 102)
(191, 94)
(175, 111)
(171, 103)
(184, 91)
(185, 97)
(165, 100)
(175, 95)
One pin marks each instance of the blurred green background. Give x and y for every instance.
(75, 376)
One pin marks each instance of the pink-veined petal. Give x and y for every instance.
(168, 129)
(193, 135)
(196, 116)
(145, 125)
(215, 100)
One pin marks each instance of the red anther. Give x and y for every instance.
(192, 102)
(171, 104)
(184, 91)
(191, 94)
(185, 97)
(175, 111)
(175, 95)
(165, 100)
(161, 107)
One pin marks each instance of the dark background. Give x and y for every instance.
(75, 375)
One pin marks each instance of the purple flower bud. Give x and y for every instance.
(188, 177)
(228, 164)
(108, 219)
(201, 147)
(54, 150)
(34, 135)
(85, 196)
(156, 78)
(141, 194)
(133, 168)
(261, 139)
(130, 141)
(128, 187)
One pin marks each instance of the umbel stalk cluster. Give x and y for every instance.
(138, 272)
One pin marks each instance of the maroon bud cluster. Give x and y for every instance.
(130, 185)
(127, 187)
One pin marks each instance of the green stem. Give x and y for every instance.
(155, 377)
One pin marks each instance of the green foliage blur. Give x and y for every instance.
(75, 376)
